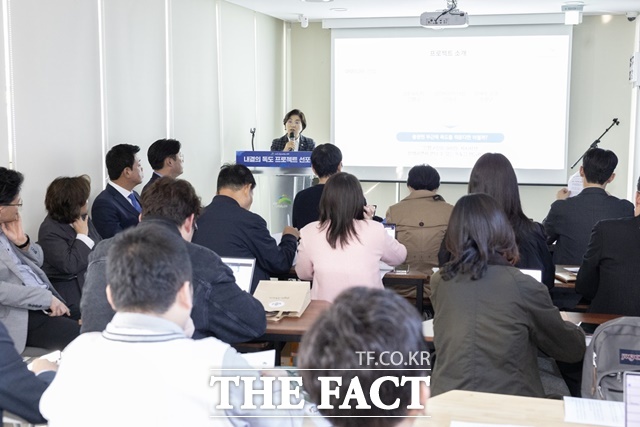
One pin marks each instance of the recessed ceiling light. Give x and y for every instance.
(316, 1)
(338, 9)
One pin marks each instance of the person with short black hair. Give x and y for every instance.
(144, 367)
(571, 219)
(344, 248)
(609, 271)
(117, 207)
(326, 160)
(348, 337)
(165, 159)
(67, 236)
(220, 308)
(421, 221)
(32, 310)
(490, 318)
(228, 228)
(294, 123)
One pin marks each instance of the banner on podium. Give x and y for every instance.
(274, 159)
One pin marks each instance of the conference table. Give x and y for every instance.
(488, 408)
(413, 279)
(291, 329)
(471, 406)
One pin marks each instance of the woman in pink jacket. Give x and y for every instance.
(345, 247)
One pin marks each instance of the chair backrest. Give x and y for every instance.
(614, 349)
(12, 420)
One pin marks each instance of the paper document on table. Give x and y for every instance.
(427, 328)
(260, 359)
(590, 411)
(467, 424)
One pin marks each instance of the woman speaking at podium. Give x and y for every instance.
(293, 140)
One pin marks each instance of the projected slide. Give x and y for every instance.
(400, 101)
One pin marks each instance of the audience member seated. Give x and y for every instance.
(228, 228)
(67, 236)
(345, 247)
(609, 272)
(31, 309)
(165, 159)
(20, 389)
(294, 123)
(118, 207)
(494, 175)
(360, 328)
(144, 370)
(421, 221)
(220, 308)
(490, 318)
(571, 219)
(326, 160)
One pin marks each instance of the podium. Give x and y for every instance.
(279, 177)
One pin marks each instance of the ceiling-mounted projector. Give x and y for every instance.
(449, 18)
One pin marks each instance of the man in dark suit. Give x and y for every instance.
(293, 140)
(570, 220)
(20, 389)
(118, 207)
(228, 228)
(610, 271)
(220, 308)
(165, 159)
(326, 160)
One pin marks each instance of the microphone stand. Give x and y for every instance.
(595, 143)
(253, 135)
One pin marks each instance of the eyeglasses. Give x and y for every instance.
(13, 204)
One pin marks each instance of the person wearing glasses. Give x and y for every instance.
(165, 159)
(67, 236)
(31, 309)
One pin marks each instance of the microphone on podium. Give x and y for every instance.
(252, 131)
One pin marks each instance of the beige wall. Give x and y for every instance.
(311, 78)
(599, 92)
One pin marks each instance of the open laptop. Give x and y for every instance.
(631, 394)
(242, 270)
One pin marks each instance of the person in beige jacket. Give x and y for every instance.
(421, 220)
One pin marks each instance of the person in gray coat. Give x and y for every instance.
(30, 308)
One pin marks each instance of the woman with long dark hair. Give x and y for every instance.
(345, 247)
(493, 174)
(490, 318)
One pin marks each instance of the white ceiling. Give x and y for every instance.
(316, 10)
